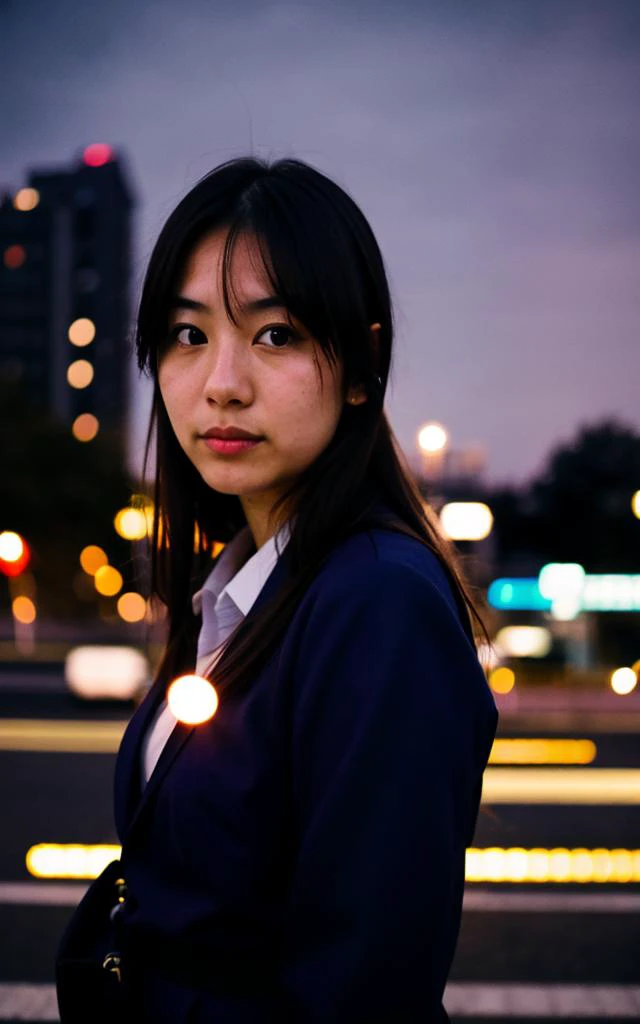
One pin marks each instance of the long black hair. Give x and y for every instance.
(321, 257)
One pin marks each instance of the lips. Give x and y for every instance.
(231, 445)
(231, 434)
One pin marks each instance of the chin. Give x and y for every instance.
(232, 483)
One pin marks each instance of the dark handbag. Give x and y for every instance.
(88, 974)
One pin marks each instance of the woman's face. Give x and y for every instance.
(259, 376)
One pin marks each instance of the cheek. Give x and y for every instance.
(176, 401)
(308, 415)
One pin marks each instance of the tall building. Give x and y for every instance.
(65, 240)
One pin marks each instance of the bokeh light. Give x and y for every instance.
(432, 437)
(14, 553)
(502, 680)
(516, 864)
(81, 332)
(131, 523)
(24, 610)
(92, 558)
(466, 520)
(542, 751)
(192, 699)
(80, 373)
(14, 257)
(11, 546)
(85, 427)
(97, 154)
(132, 607)
(623, 681)
(107, 580)
(26, 199)
(58, 860)
(524, 641)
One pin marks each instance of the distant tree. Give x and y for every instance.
(579, 508)
(60, 494)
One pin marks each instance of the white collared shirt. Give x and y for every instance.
(235, 582)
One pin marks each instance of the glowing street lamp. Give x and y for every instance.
(433, 441)
(432, 438)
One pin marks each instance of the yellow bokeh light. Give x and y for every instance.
(432, 438)
(132, 607)
(11, 546)
(192, 699)
(92, 558)
(82, 332)
(85, 427)
(635, 504)
(26, 199)
(131, 523)
(69, 860)
(24, 610)
(542, 751)
(80, 373)
(623, 681)
(515, 864)
(108, 581)
(502, 680)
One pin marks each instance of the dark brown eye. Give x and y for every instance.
(187, 335)
(280, 335)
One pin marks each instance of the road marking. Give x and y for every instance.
(490, 901)
(28, 1002)
(69, 894)
(467, 999)
(61, 736)
(53, 894)
(462, 999)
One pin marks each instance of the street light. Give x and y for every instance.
(433, 440)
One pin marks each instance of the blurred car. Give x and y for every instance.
(103, 672)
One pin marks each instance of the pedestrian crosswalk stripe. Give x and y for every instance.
(69, 894)
(37, 1002)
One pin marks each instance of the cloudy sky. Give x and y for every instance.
(494, 147)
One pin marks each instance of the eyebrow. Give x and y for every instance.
(254, 306)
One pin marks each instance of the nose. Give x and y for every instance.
(228, 376)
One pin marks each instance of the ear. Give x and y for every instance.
(356, 395)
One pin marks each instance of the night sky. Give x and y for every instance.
(494, 146)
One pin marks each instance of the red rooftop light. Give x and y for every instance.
(97, 154)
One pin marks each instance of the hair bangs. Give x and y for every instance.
(276, 255)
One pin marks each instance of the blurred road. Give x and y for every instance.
(526, 951)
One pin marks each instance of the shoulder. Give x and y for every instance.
(380, 575)
(384, 558)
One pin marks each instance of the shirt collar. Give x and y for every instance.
(240, 574)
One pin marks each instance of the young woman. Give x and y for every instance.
(298, 856)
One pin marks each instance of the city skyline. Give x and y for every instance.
(493, 156)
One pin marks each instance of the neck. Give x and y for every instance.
(261, 519)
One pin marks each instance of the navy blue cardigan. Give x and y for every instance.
(300, 857)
